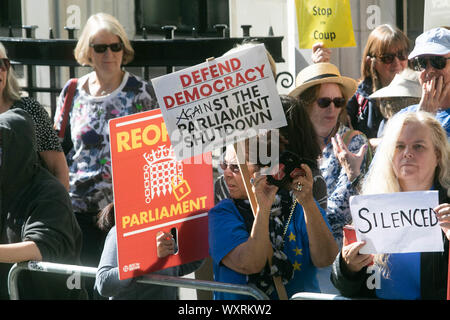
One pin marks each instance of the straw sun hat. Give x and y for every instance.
(319, 73)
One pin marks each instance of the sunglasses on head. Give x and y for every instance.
(388, 58)
(325, 102)
(437, 62)
(101, 48)
(4, 64)
(233, 167)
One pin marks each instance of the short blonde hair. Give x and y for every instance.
(96, 23)
(11, 92)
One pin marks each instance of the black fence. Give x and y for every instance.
(169, 53)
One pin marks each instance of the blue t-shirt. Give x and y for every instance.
(403, 282)
(227, 231)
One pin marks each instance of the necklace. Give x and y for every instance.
(289, 219)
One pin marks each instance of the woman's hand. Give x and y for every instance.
(353, 259)
(165, 244)
(320, 53)
(349, 161)
(434, 92)
(443, 216)
(264, 192)
(302, 183)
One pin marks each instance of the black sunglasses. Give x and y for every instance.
(233, 167)
(5, 64)
(100, 48)
(388, 58)
(325, 102)
(437, 62)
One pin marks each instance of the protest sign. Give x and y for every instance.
(397, 222)
(154, 192)
(219, 102)
(327, 21)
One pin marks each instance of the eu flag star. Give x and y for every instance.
(296, 266)
(291, 237)
(298, 252)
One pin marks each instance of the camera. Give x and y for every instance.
(288, 164)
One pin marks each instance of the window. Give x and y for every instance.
(10, 15)
(184, 14)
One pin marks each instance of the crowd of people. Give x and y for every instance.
(386, 133)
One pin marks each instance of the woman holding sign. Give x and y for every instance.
(105, 93)
(414, 155)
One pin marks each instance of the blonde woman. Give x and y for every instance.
(105, 93)
(413, 156)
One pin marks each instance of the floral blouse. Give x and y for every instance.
(89, 160)
(339, 187)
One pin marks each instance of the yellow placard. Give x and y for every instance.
(327, 21)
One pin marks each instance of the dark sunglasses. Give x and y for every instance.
(233, 167)
(325, 102)
(390, 57)
(4, 64)
(100, 48)
(437, 62)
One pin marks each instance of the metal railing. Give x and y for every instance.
(317, 296)
(171, 281)
(169, 52)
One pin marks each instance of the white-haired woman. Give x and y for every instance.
(414, 155)
(48, 145)
(105, 93)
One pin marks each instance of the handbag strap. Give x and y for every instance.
(67, 106)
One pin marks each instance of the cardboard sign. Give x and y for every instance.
(327, 21)
(219, 102)
(154, 192)
(397, 222)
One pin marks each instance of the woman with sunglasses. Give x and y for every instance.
(385, 55)
(48, 145)
(323, 93)
(288, 226)
(105, 93)
(431, 57)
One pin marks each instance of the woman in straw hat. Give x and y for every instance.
(324, 93)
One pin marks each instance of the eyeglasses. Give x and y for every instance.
(325, 102)
(233, 167)
(4, 64)
(101, 48)
(437, 62)
(390, 57)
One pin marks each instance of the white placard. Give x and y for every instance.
(397, 222)
(219, 102)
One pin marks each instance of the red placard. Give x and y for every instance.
(154, 192)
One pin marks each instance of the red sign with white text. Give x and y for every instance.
(154, 192)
